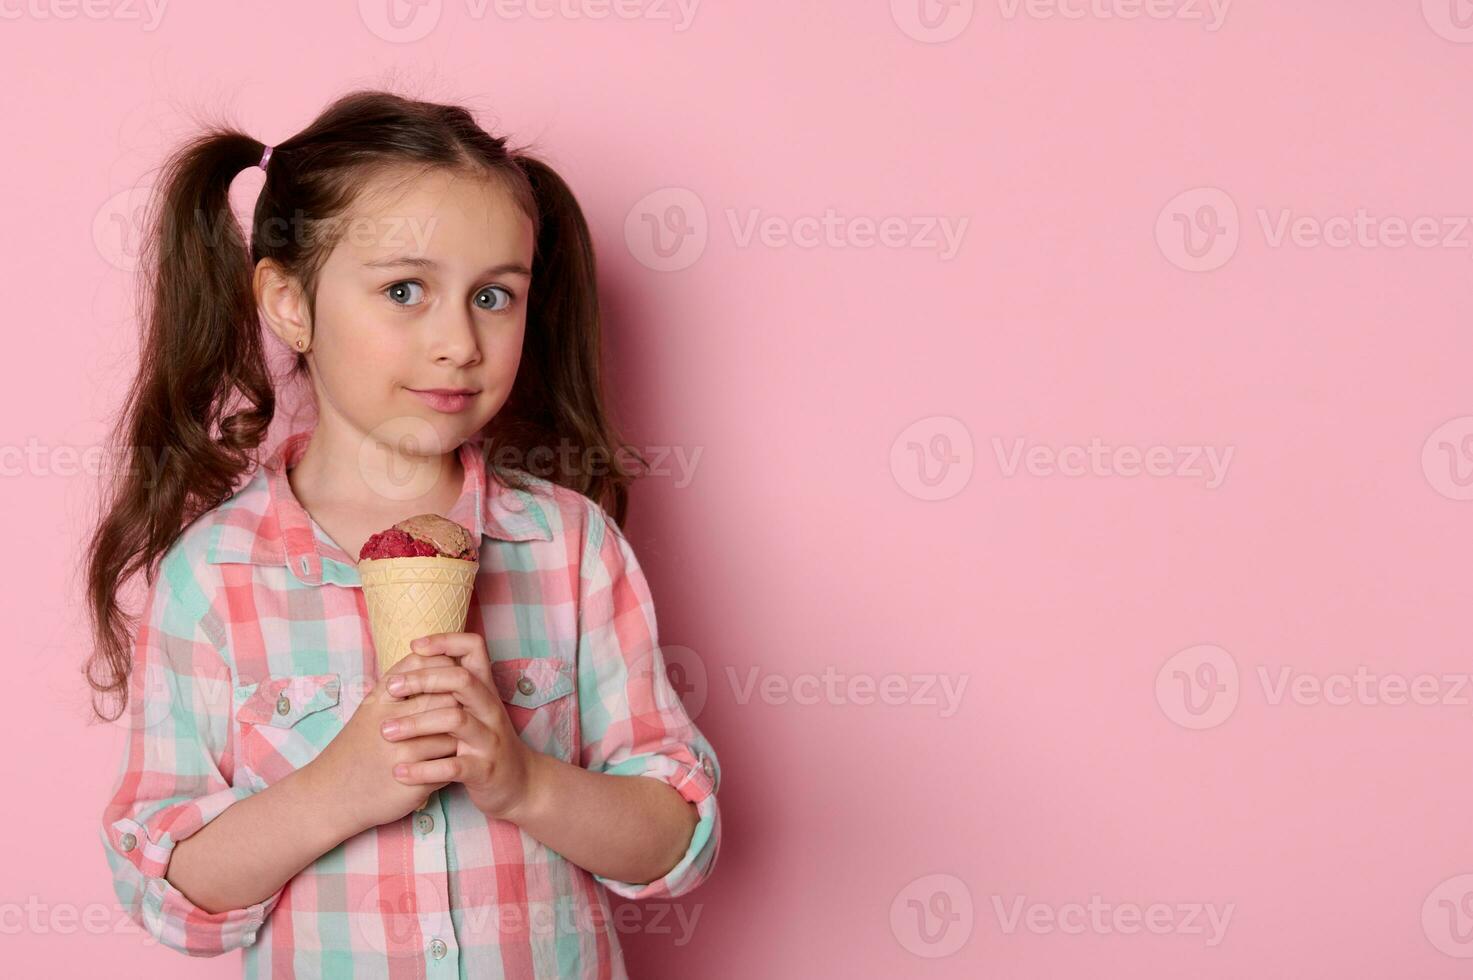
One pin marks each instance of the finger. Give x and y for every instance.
(420, 703)
(432, 747)
(413, 661)
(429, 771)
(468, 689)
(440, 642)
(419, 661)
(467, 648)
(453, 720)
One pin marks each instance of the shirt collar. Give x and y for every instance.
(287, 534)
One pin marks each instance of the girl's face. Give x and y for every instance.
(426, 289)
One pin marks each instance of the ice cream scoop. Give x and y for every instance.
(421, 536)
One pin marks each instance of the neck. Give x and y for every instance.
(371, 476)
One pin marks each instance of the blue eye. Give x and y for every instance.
(489, 290)
(396, 291)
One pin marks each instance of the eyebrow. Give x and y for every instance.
(420, 262)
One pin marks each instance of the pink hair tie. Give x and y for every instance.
(265, 158)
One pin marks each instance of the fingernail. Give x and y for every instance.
(389, 728)
(401, 771)
(396, 684)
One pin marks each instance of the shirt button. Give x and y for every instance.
(425, 823)
(283, 705)
(129, 842)
(438, 949)
(526, 686)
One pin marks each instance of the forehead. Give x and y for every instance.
(457, 219)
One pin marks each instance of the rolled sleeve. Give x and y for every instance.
(171, 783)
(632, 720)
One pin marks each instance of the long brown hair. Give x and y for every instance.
(200, 405)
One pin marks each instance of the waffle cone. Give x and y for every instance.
(413, 597)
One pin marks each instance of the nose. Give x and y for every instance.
(454, 340)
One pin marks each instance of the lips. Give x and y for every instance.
(448, 400)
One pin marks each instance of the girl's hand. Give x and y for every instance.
(490, 759)
(356, 770)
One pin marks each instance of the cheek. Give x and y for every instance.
(503, 350)
(361, 356)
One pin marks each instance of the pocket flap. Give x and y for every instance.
(285, 699)
(530, 682)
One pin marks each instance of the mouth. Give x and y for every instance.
(448, 400)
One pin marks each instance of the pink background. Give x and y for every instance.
(1084, 613)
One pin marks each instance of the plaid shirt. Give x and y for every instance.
(253, 652)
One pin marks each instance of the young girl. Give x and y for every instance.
(437, 290)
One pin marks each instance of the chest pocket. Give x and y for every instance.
(284, 721)
(538, 694)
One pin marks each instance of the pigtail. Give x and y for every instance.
(176, 453)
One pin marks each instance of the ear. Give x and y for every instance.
(282, 304)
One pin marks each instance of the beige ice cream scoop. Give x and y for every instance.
(449, 538)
